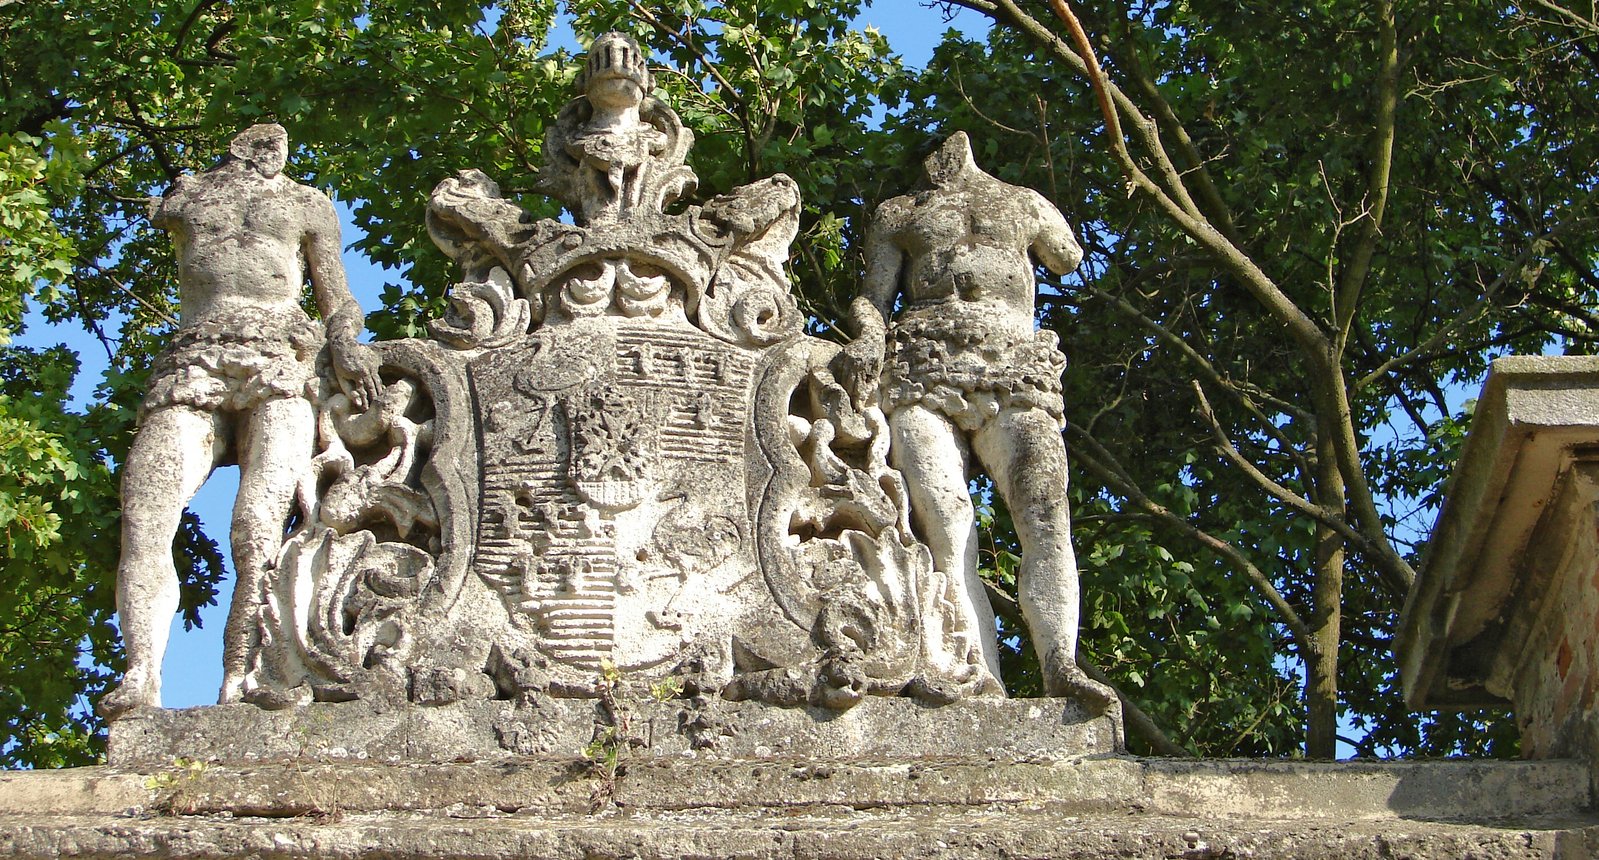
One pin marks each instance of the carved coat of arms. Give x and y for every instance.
(618, 448)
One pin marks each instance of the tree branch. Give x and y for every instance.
(1381, 156)
(727, 90)
(1111, 473)
(1320, 514)
(1216, 208)
(1570, 17)
(1181, 208)
(1242, 391)
(1447, 331)
(188, 23)
(160, 313)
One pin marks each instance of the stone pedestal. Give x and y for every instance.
(489, 731)
(983, 778)
(1506, 611)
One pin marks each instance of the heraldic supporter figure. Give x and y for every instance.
(963, 373)
(237, 386)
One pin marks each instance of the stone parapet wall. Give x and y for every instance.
(681, 778)
(786, 807)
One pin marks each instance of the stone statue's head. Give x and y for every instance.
(616, 75)
(264, 147)
(950, 160)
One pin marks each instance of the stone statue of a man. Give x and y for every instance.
(967, 374)
(235, 386)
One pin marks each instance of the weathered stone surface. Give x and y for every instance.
(617, 459)
(1506, 610)
(1535, 417)
(1453, 790)
(1458, 791)
(879, 727)
(968, 375)
(841, 835)
(682, 807)
(238, 384)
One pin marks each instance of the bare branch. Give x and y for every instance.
(1216, 208)
(1353, 278)
(1243, 390)
(160, 313)
(1446, 332)
(960, 87)
(1326, 516)
(1568, 16)
(1177, 204)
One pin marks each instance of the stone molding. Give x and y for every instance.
(1513, 495)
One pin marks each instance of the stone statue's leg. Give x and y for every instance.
(174, 451)
(932, 454)
(1023, 452)
(275, 447)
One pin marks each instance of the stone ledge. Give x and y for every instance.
(841, 834)
(1004, 729)
(352, 781)
(1471, 791)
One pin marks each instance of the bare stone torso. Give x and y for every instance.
(964, 245)
(238, 245)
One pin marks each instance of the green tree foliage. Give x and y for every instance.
(1319, 220)
(57, 502)
(58, 526)
(1314, 222)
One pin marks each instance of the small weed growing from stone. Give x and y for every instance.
(612, 737)
(666, 689)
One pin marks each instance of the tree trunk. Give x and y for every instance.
(1326, 618)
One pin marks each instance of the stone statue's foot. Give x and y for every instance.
(784, 687)
(128, 697)
(1071, 682)
(942, 685)
(934, 691)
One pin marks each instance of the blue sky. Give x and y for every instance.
(192, 673)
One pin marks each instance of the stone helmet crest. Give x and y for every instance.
(615, 57)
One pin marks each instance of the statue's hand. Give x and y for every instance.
(356, 368)
(859, 367)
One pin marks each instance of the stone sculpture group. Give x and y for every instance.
(617, 452)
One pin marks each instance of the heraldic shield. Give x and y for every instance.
(603, 440)
(671, 480)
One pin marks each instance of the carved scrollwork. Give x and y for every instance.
(477, 226)
(868, 610)
(748, 301)
(351, 592)
(483, 315)
(618, 448)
